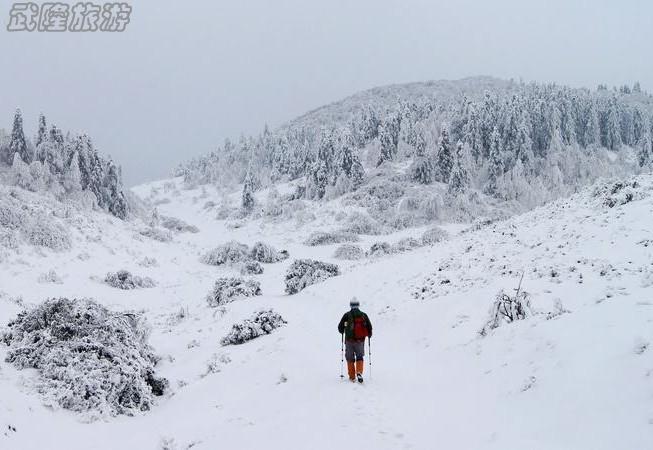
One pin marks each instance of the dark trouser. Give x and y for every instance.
(354, 350)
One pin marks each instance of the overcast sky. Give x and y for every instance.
(186, 75)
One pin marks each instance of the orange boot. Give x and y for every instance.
(351, 370)
(360, 365)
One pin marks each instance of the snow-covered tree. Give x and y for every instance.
(72, 178)
(18, 144)
(645, 153)
(248, 199)
(42, 133)
(495, 163)
(389, 138)
(444, 158)
(20, 175)
(459, 181)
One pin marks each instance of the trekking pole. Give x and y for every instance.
(342, 355)
(369, 344)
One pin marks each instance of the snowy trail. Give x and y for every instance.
(581, 380)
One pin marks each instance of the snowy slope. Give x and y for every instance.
(574, 375)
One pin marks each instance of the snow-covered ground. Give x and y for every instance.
(576, 374)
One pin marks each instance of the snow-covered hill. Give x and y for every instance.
(575, 374)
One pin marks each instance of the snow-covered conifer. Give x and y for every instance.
(496, 168)
(444, 159)
(18, 144)
(248, 200)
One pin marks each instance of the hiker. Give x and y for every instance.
(356, 326)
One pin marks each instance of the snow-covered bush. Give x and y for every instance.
(156, 234)
(146, 261)
(305, 272)
(88, 357)
(230, 252)
(434, 235)
(326, 238)
(405, 245)
(251, 268)
(267, 254)
(618, 193)
(50, 277)
(178, 225)
(349, 252)
(126, 280)
(8, 239)
(43, 231)
(361, 223)
(260, 324)
(507, 309)
(227, 290)
(380, 249)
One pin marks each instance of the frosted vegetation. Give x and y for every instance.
(233, 252)
(89, 359)
(66, 166)
(306, 272)
(125, 280)
(227, 290)
(261, 323)
(423, 152)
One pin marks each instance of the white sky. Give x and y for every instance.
(186, 75)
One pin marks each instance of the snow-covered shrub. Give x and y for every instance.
(305, 272)
(434, 235)
(326, 238)
(349, 252)
(507, 309)
(227, 290)
(8, 239)
(267, 254)
(50, 277)
(403, 220)
(251, 268)
(618, 193)
(88, 357)
(260, 324)
(42, 231)
(405, 245)
(146, 261)
(230, 252)
(479, 224)
(126, 280)
(432, 207)
(178, 225)
(380, 249)
(156, 234)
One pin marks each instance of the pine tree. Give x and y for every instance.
(115, 198)
(72, 179)
(495, 162)
(389, 138)
(645, 154)
(248, 199)
(422, 170)
(18, 144)
(42, 134)
(444, 159)
(324, 172)
(350, 163)
(20, 173)
(459, 181)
